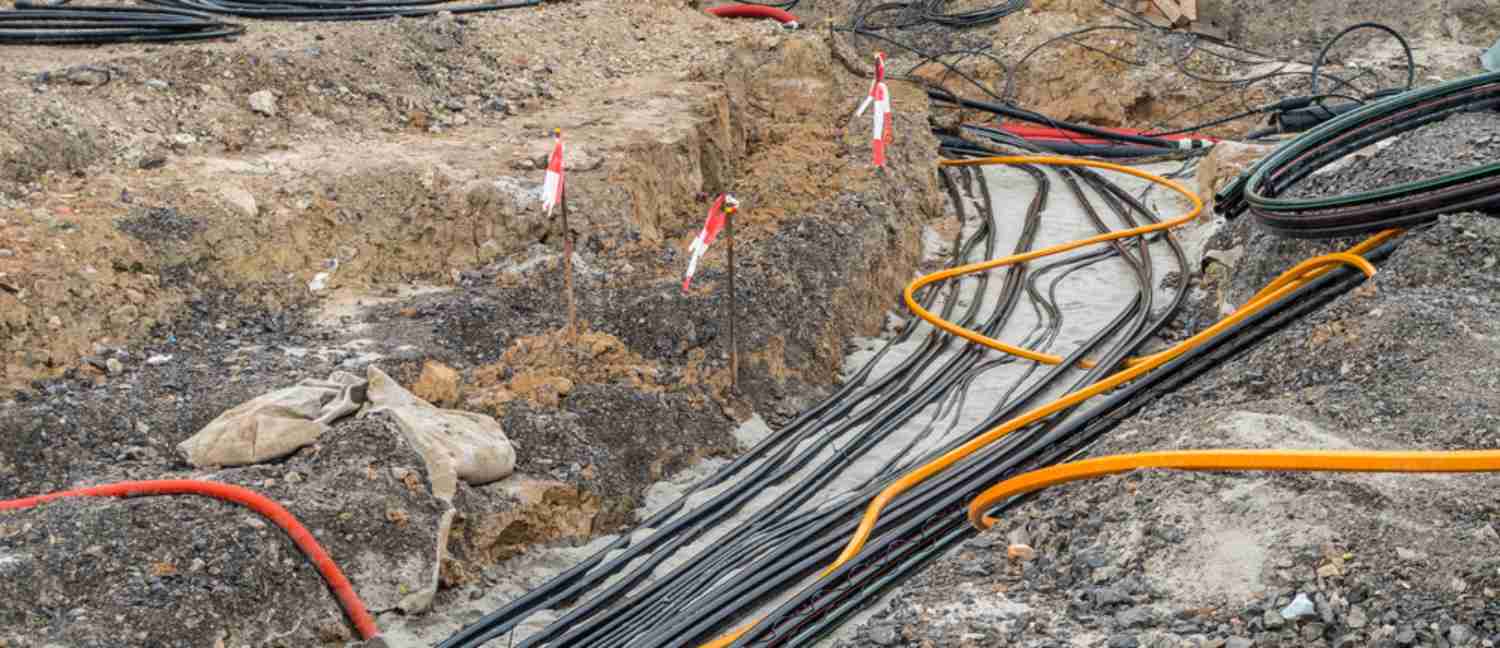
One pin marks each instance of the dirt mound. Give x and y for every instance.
(543, 368)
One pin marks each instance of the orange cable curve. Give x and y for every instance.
(250, 499)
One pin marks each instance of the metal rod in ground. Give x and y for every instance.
(568, 266)
(734, 347)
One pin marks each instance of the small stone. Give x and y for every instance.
(1408, 555)
(1356, 618)
(1134, 617)
(1406, 636)
(1021, 552)
(263, 102)
(1239, 642)
(1300, 607)
(883, 635)
(1124, 641)
(115, 366)
(156, 84)
(1312, 632)
(240, 200)
(1484, 533)
(4, 253)
(1329, 570)
(1461, 635)
(158, 360)
(1272, 620)
(54, 322)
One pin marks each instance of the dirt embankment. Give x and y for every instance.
(177, 286)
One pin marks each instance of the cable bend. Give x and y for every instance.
(353, 606)
(976, 337)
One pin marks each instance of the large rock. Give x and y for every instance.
(455, 445)
(274, 425)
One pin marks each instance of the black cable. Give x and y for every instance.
(102, 25)
(1411, 62)
(313, 10)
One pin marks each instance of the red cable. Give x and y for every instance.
(754, 11)
(283, 518)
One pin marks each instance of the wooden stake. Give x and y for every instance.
(734, 347)
(568, 266)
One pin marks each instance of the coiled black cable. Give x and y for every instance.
(102, 25)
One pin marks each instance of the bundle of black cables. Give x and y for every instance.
(921, 12)
(300, 10)
(32, 25)
(1259, 188)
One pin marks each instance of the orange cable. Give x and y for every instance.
(261, 504)
(1295, 460)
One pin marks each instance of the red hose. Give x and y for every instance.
(283, 518)
(754, 11)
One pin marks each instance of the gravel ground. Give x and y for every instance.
(1410, 360)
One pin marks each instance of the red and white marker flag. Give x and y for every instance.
(706, 236)
(552, 187)
(882, 134)
(874, 85)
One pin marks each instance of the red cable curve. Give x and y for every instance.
(261, 504)
(754, 11)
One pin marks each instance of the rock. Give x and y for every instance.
(1021, 552)
(1486, 533)
(115, 366)
(1461, 635)
(1312, 632)
(1356, 618)
(438, 384)
(1110, 596)
(240, 200)
(319, 281)
(1406, 636)
(156, 84)
(5, 253)
(1408, 555)
(274, 425)
(455, 445)
(263, 102)
(883, 635)
(158, 360)
(1239, 642)
(1134, 617)
(1124, 641)
(1300, 608)
(1272, 620)
(1347, 641)
(1329, 570)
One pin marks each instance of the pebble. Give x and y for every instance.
(1461, 635)
(1406, 636)
(883, 635)
(1124, 641)
(115, 366)
(263, 102)
(1300, 607)
(1356, 618)
(156, 84)
(6, 253)
(1272, 620)
(1239, 642)
(158, 359)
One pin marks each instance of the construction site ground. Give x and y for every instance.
(186, 227)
